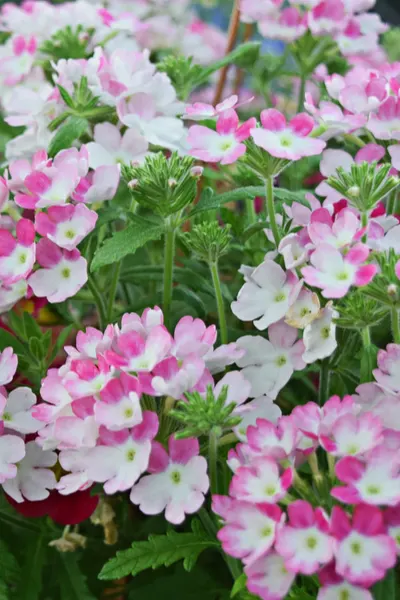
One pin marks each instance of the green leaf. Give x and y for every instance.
(212, 202)
(239, 585)
(61, 340)
(65, 96)
(9, 571)
(386, 589)
(243, 56)
(72, 581)
(71, 131)
(7, 339)
(158, 551)
(189, 297)
(125, 242)
(30, 585)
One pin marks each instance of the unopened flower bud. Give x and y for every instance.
(392, 290)
(196, 171)
(353, 192)
(172, 182)
(133, 183)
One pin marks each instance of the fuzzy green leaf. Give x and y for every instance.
(158, 551)
(125, 242)
(70, 131)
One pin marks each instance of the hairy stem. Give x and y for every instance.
(168, 274)
(223, 329)
(395, 325)
(269, 192)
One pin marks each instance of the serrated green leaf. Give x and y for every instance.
(125, 242)
(68, 133)
(158, 551)
(72, 581)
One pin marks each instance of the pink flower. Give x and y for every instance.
(123, 455)
(319, 336)
(353, 435)
(151, 317)
(199, 111)
(385, 124)
(261, 482)
(364, 551)
(332, 116)
(91, 342)
(288, 25)
(119, 404)
(12, 451)
(334, 586)
(53, 186)
(8, 365)
(17, 65)
(305, 543)
(15, 410)
(338, 233)
(388, 372)
(135, 354)
(249, 530)
(252, 11)
(55, 395)
(287, 141)
(173, 377)
(98, 185)
(275, 440)
(268, 578)
(85, 379)
(223, 145)
(192, 336)
(63, 272)
(66, 225)
(267, 295)
(269, 364)
(17, 255)
(110, 147)
(364, 97)
(10, 294)
(227, 354)
(33, 479)
(262, 407)
(177, 482)
(375, 481)
(327, 17)
(335, 274)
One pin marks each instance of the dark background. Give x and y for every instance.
(389, 11)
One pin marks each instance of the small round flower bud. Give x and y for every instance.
(392, 290)
(353, 192)
(196, 171)
(172, 182)
(133, 183)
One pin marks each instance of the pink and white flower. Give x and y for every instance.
(334, 586)
(319, 336)
(85, 379)
(288, 25)
(268, 577)
(305, 309)
(67, 225)
(17, 254)
(363, 550)
(33, 478)
(198, 111)
(385, 124)
(338, 233)
(262, 407)
(267, 295)
(392, 520)
(134, 353)
(249, 530)
(327, 17)
(8, 365)
(269, 364)
(287, 141)
(18, 64)
(192, 336)
(122, 456)
(119, 404)
(63, 272)
(261, 482)
(353, 435)
(375, 480)
(98, 186)
(277, 440)
(110, 147)
(16, 410)
(12, 451)
(177, 483)
(223, 145)
(334, 273)
(304, 542)
(388, 374)
(173, 377)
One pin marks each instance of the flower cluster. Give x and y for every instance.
(348, 552)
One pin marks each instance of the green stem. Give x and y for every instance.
(350, 137)
(113, 290)
(223, 329)
(366, 337)
(269, 192)
(168, 274)
(251, 210)
(324, 377)
(364, 223)
(98, 298)
(395, 325)
(213, 461)
(302, 91)
(391, 201)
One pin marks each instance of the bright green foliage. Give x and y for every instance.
(183, 74)
(208, 240)
(68, 43)
(200, 415)
(158, 551)
(357, 311)
(163, 185)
